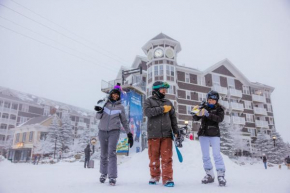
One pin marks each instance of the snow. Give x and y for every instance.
(133, 172)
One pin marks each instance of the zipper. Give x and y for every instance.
(109, 120)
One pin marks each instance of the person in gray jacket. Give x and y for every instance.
(162, 123)
(111, 117)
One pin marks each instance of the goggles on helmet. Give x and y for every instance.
(164, 85)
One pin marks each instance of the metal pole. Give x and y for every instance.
(54, 147)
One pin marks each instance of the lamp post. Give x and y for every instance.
(274, 139)
(54, 147)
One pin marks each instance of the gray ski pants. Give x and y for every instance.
(108, 143)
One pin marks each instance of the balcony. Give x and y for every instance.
(6, 121)
(236, 93)
(239, 120)
(220, 90)
(259, 98)
(263, 124)
(2, 131)
(260, 111)
(227, 119)
(237, 106)
(224, 103)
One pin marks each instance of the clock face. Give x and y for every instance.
(169, 52)
(150, 55)
(158, 53)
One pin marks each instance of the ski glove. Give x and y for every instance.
(167, 108)
(130, 139)
(202, 112)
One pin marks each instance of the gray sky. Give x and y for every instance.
(89, 40)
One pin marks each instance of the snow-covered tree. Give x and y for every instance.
(276, 154)
(239, 144)
(66, 133)
(84, 140)
(262, 143)
(226, 139)
(52, 143)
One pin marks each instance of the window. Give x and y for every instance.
(188, 94)
(216, 79)
(43, 135)
(3, 126)
(269, 107)
(46, 110)
(13, 117)
(23, 137)
(201, 80)
(1, 103)
(2, 137)
(14, 106)
(7, 105)
(187, 77)
(246, 90)
(249, 118)
(252, 132)
(188, 109)
(5, 116)
(271, 121)
(267, 94)
(169, 72)
(30, 136)
(25, 108)
(17, 137)
(155, 70)
(202, 96)
(149, 74)
(170, 90)
(23, 119)
(231, 83)
(248, 105)
(161, 71)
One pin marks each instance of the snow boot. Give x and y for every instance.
(169, 184)
(103, 178)
(209, 178)
(221, 178)
(112, 181)
(153, 181)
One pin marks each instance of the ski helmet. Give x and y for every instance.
(213, 95)
(157, 86)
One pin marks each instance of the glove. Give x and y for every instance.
(130, 139)
(167, 108)
(195, 110)
(202, 112)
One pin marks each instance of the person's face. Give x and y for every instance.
(115, 96)
(163, 90)
(211, 101)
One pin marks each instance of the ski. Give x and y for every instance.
(179, 155)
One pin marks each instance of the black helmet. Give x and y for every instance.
(213, 95)
(117, 90)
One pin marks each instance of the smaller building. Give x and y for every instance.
(26, 136)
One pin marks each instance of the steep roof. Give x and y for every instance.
(36, 120)
(162, 36)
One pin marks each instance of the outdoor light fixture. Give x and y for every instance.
(186, 122)
(274, 139)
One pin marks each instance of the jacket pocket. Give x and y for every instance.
(212, 131)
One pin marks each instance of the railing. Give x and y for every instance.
(237, 106)
(263, 124)
(259, 98)
(6, 121)
(260, 111)
(3, 131)
(224, 103)
(82, 124)
(239, 120)
(219, 89)
(236, 93)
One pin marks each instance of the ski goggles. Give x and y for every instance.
(164, 85)
(214, 97)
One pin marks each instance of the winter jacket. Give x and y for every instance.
(160, 124)
(210, 125)
(264, 159)
(112, 117)
(87, 152)
(287, 160)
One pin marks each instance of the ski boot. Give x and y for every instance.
(222, 181)
(103, 178)
(169, 184)
(209, 178)
(153, 181)
(221, 178)
(112, 181)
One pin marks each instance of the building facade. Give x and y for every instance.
(16, 108)
(248, 104)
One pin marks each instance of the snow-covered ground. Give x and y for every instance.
(134, 175)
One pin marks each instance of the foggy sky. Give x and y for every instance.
(88, 40)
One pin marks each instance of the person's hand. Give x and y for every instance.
(130, 139)
(167, 108)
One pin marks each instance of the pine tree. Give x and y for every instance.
(52, 143)
(226, 139)
(262, 143)
(84, 139)
(276, 154)
(66, 133)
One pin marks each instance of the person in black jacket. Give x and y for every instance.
(211, 113)
(264, 158)
(87, 155)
